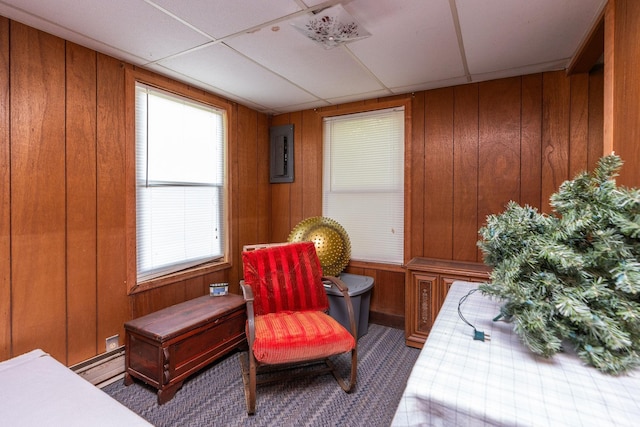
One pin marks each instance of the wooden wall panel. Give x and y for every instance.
(5, 194)
(38, 192)
(311, 174)
(386, 299)
(262, 186)
(415, 155)
(556, 95)
(251, 188)
(386, 303)
(609, 72)
(282, 222)
(231, 209)
(438, 178)
(578, 124)
(80, 125)
(596, 112)
(155, 299)
(301, 199)
(296, 188)
(195, 287)
(112, 302)
(465, 173)
(233, 196)
(626, 88)
(246, 150)
(499, 135)
(531, 140)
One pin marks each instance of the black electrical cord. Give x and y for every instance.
(477, 335)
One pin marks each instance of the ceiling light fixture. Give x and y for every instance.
(331, 27)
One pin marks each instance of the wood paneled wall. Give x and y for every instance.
(62, 188)
(623, 78)
(472, 149)
(63, 196)
(5, 195)
(492, 142)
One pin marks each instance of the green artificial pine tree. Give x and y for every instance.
(574, 275)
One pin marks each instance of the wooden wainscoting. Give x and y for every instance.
(387, 296)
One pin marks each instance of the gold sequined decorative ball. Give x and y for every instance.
(330, 239)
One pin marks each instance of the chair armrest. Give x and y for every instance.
(342, 287)
(247, 293)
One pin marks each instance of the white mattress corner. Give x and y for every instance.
(36, 389)
(22, 359)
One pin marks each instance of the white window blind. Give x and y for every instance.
(363, 181)
(180, 182)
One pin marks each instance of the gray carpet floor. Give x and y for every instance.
(215, 396)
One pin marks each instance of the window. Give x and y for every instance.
(180, 181)
(363, 181)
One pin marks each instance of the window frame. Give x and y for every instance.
(133, 76)
(405, 102)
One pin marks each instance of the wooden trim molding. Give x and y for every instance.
(591, 49)
(368, 265)
(179, 276)
(133, 75)
(403, 101)
(609, 39)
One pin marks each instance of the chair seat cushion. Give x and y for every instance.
(291, 337)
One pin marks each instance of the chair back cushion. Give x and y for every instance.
(285, 278)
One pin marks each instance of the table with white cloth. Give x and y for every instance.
(37, 390)
(459, 381)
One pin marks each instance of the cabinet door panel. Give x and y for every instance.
(427, 284)
(427, 311)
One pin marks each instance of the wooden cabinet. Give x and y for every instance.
(426, 286)
(166, 347)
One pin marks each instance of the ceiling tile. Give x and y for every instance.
(412, 42)
(502, 35)
(219, 66)
(134, 27)
(218, 19)
(326, 73)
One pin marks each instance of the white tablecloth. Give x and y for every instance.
(457, 381)
(37, 390)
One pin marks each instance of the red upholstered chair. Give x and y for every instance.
(287, 320)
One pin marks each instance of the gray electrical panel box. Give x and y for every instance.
(281, 166)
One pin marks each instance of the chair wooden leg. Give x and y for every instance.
(249, 377)
(249, 380)
(348, 387)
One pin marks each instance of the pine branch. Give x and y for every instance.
(572, 275)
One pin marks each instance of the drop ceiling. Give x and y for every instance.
(248, 50)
